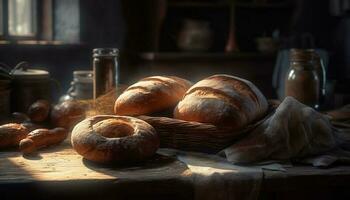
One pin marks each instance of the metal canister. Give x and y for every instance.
(5, 90)
(29, 85)
(105, 67)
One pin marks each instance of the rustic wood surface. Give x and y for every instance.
(306, 182)
(59, 172)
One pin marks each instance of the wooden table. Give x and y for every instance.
(59, 173)
(306, 182)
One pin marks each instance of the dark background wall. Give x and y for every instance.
(88, 24)
(82, 26)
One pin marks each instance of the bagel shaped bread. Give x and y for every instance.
(110, 138)
(222, 100)
(150, 95)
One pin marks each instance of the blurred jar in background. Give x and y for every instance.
(195, 35)
(321, 72)
(81, 86)
(302, 81)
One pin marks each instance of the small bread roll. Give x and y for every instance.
(41, 138)
(39, 111)
(151, 95)
(11, 134)
(222, 100)
(67, 114)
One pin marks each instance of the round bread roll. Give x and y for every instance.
(11, 134)
(108, 138)
(222, 100)
(39, 110)
(151, 95)
(67, 114)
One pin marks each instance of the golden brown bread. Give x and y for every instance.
(67, 114)
(110, 138)
(40, 138)
(39, 111)
(151, 95)
(223, 100)
(11, 134)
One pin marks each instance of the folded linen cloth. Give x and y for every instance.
(294, 132)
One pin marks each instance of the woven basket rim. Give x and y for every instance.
(173, 122)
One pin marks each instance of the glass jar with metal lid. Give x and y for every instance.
(81, 86)
(106, 70)
(302, 81)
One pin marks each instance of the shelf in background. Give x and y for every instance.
(263, 5)
(195, 56)
(39, 46)
(38, 43)
(197, 4)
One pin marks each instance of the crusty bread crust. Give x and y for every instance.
(151, 94)
(11, 134)
(222, 100)
(111, 138)
(42, 137)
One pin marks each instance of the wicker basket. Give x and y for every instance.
(179, 134)
(194, 136)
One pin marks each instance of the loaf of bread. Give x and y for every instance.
(11, 134)
(152, 94)
(39, 110)
(222, 100)
(40, 138)
(67, 114)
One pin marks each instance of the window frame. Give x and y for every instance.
(1, 20)
(4, 22)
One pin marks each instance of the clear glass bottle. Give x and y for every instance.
(302, 81)
(106, 70)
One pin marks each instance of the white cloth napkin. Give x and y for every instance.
(293, 132)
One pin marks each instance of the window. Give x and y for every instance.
(39, 21)
(18, 19)
(1, 18)
(22, 16)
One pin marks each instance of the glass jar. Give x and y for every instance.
(195, 35)
(106, 70)
(321, 72)
(81, 86)
(302, 81)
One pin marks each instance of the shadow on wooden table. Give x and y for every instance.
(59, 172)
(156, 161)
